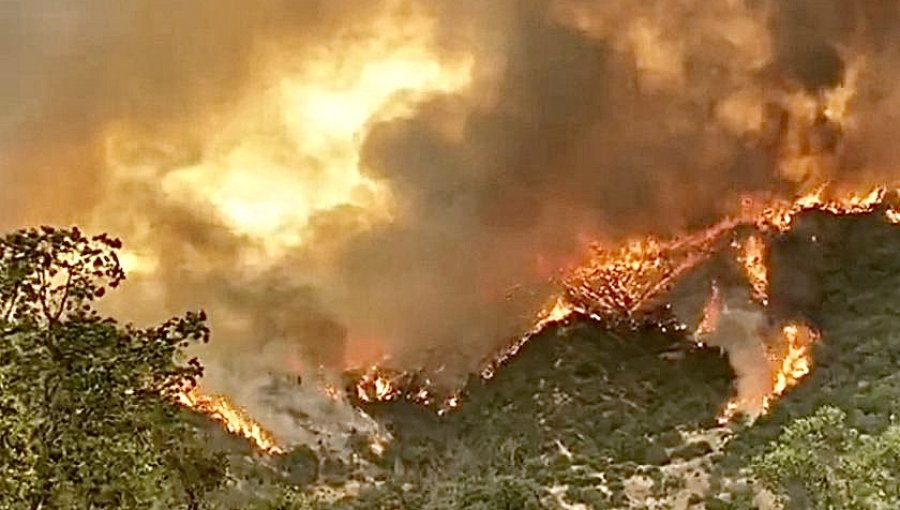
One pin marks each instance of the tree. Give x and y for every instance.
(821, 462)
(84, 418)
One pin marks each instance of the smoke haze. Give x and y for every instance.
(340, 181)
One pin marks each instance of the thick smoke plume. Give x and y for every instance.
(340, 181)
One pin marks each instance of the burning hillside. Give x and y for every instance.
(235, 420)
(628, 286)
(409, 187)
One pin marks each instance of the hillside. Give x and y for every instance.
(627, 419)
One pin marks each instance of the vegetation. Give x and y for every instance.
(581, 416)
(820, 462)
(82, 423)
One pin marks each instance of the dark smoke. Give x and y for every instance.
(584, 120)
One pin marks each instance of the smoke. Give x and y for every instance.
(741, 333)
(340, 181)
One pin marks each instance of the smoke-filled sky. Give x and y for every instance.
(335, 181)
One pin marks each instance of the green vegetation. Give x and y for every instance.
(820, 462)
(850, 289)
(581, 416)
(82, 423)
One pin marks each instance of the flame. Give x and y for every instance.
(627, 284)
(752, 257)
(559, 310)
(450, 404)
(234, 419)
(780, 214)
(378, 384)
(710, 319)
(618, 285)
(892, 216)
(791, 357)
(797, 361)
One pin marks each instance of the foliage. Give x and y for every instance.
(81, 415)
(850, 289)
(820, 462)
(579, 409)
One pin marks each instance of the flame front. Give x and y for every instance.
(626, 285)
(234, 419)
(779, 215)
(893, 216)
(618, 285)
(752, 257)
(797, 361)
(791, 360)
(710, 319)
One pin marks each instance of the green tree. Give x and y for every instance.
(84, 422)
(821, 462)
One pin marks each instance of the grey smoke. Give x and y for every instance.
(571, 130)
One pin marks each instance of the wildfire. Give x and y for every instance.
(559, 310)
(619, 285)
(893, 216)
(779, 215)
(376, 385)
(791, 358)
(235, 420)
(752, 257)
(796, 362)
(626, 285)
(710, 320)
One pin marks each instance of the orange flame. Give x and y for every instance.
(625, 284)
(616, 285)
(557, 311)
(560, 311)
(893, 216)
(376, 385)
(752, 257)
(797, 360)
(791, 361)
(779, 215)
(710, 320)
(379, 384)
(234, 419)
